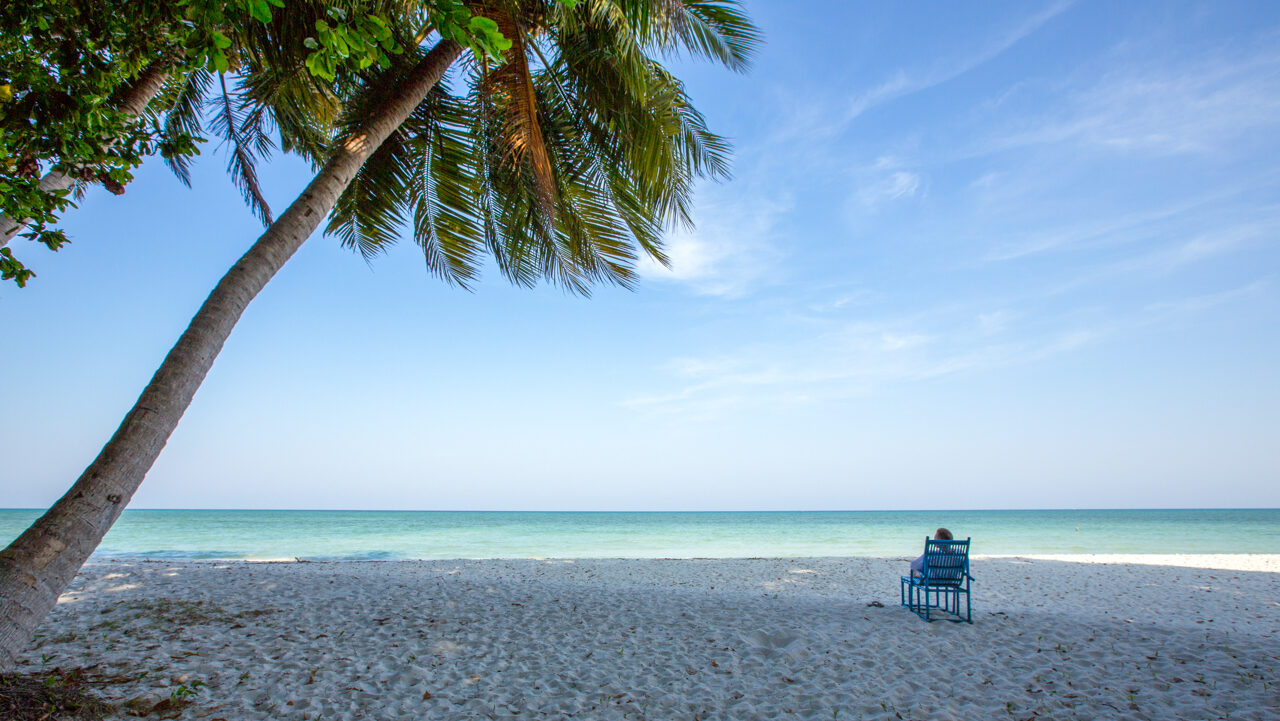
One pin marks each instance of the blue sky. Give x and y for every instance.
(985, 255)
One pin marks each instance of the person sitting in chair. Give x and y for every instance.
(941, 535)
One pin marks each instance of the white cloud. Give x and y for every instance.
(1056, 173)
(1167, 107)
(881, 183)
(901, 341)
(842, 360)
(994, 322)
(836, 303)
(1180, 253)
(731, 252)
(849, 359)
(896, 184)
(1198, 303)
(1093, 232)
(903, 82)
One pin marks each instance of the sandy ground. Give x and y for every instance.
(1066, 637)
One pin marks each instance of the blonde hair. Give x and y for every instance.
(942, 535)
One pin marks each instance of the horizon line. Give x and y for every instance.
(773, 510)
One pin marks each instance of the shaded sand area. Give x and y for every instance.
(1137, 637)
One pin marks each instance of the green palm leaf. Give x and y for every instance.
(562, 171)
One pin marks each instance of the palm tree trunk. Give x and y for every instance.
(134, 101)
(38, 566)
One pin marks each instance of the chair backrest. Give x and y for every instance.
(946, 563)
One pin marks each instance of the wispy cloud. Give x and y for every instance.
(733, 249)
(1043, 218)
(1205, 301)
(1176, 255)
(841, 300)
(1202, 104)
(906, 82)
(854, 358)
(1196, 249)
(995, 322)
(809, 123)
(1093, 232)
(759, 381)
(862, 357)
(885, 182)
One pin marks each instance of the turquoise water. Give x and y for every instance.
(477, 534)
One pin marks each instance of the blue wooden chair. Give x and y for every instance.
(943, 578)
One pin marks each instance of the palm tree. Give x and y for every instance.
(558, 172)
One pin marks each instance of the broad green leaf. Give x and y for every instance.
(483, 24)
(260, 10)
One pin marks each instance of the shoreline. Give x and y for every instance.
(658, 639)
(1268, 562)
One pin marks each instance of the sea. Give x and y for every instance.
(372, 535)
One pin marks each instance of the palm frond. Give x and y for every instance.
(497, 189)
(640, 118)
(228, 122)
(367, 216)
(717, 30)
(184, 117)
(256, 129)
(443, 190)
(512, 85)
(602, 166)
(562, 170)
(274, 75)
(714, 29)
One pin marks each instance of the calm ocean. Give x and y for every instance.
(477, 534)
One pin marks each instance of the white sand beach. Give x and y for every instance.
(1063, 637)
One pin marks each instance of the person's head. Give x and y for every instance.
(942, 535)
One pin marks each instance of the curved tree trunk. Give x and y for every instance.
(38, 566)
(132, 103)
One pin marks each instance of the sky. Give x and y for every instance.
(974, 255)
